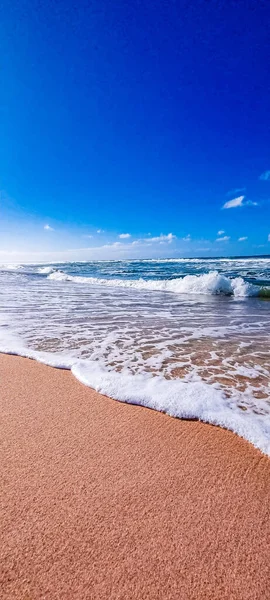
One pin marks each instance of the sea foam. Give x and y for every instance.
(212, 283)
(200, 355)
(192, 400)
(46, 270)
(10, 267)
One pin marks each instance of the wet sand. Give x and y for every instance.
(103, 500)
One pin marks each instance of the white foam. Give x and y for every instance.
(11, 267)
(212, 283)
(46, 270)
(205, 261)
(186, 400)
(11, 344)
(147, 338)
(193, 400)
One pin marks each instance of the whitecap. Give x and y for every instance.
(212, 283)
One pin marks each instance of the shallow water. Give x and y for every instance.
(190, 338)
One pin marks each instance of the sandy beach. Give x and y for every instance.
(103, 500)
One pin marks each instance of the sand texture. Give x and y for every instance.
(102, 500)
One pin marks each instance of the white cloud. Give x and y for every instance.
(225, 238)
(239, 201)
(242, 239)
(100, 230)
(234, 202)
(162, 238)
(141, 243)
(268, 237)
(236, 191)
(220, 232)
(124, 236)
(187, 238)
(48, 228)
(265, 176)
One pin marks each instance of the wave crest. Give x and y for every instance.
(46, 270)
(10, 267)
(212, 283)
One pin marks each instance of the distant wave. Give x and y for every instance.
(172, 355)
(208, 260)
(10, 267)
(46, 270)
(212, 283)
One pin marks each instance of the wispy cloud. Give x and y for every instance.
(111, 246)
(236, 191)
(242, 239)
(239, 201)
(220, 232)
(187, 238)
(100, 230)
(234, 202)
(162, 238)
(225, 238)
(265, 176)
(127, 246)
(48, 228)
(268, 237)
(124, 236)
(203, 249)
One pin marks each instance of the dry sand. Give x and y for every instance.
(103, 500)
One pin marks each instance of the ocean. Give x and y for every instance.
(188, 337)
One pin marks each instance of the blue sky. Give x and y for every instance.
(139, 118)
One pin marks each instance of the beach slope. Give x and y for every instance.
(103, 500)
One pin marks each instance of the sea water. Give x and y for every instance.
(189, 337)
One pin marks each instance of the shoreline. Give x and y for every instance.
(125, 389)
(108, 500)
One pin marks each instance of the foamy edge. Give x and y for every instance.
(192, 400)
(212, 283)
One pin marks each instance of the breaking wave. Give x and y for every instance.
(190, 356)
(10, 267)
(212, 283)
(46, 270)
